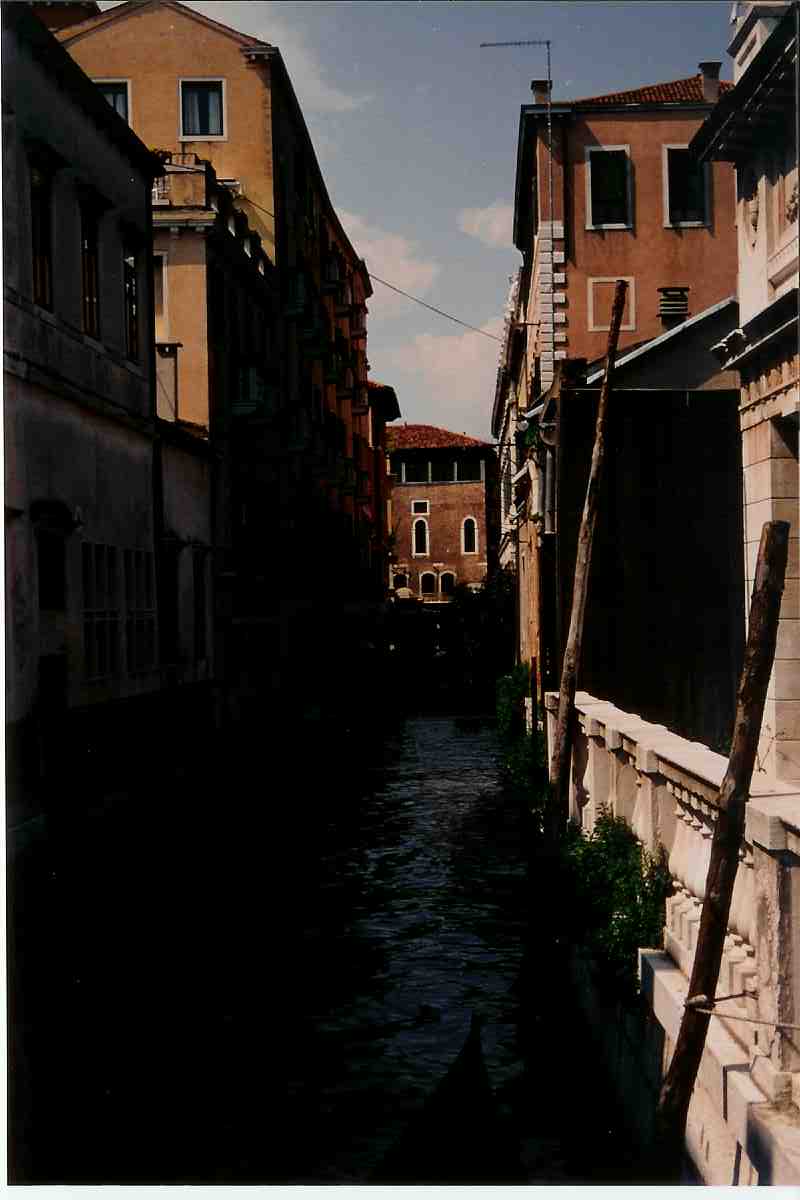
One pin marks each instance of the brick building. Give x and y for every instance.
(440, 482)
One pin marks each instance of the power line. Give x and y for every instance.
(431, 307)
(400, 291)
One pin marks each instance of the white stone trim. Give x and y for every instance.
(469, 517)
(208, 137)
(426, 553)
(631, 282)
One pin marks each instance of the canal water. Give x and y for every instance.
(263, 978)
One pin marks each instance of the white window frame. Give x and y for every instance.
(208, 137)
(469, 517)
(628, 325)
(425, 512)
(426, 553)
(128, 97)
(453, 576)
(704, 224)
(418, 482)
(590, 222)
(435, 584)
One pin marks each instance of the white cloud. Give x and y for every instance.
(394, 258)
(262, 19)
(456, 373)
(491, 225)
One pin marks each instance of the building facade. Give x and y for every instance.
(752, 131)
(439, 511)
(82, 671)
(309, 446)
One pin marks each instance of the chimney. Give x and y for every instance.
(709, 75)
(541, 89)
(673, 305)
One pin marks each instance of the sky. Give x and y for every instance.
(415, 129)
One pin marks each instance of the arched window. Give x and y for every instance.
(400, 581)
(469, 536)
(427, 584)
(447, 583)
(420, 536)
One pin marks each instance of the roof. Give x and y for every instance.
(387, 395)
(593, 376)
(676, 91)
(111, 15)
(429, 437)
(758, 108)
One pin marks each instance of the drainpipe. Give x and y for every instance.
(549, 492)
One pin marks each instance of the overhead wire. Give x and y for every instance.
(432, 308)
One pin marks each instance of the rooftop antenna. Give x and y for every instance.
(546, 42)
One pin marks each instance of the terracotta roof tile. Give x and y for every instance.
(427, 437)
(675, 92)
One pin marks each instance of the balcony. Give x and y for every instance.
(161, 190)
(667, 790)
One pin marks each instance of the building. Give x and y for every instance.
(751, 129)
(313, 453)
(442, 535)
(616, 198)
(82, 671)
(218, 377)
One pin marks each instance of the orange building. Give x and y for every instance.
(439, 510)
(199, 90)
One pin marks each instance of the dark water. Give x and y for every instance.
(262, 977)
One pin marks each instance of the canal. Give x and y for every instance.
(259, 977)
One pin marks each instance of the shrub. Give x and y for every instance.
(615, 892)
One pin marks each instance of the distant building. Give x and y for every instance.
(82, 669)
(439, 511)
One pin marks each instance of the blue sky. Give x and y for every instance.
(415, 128)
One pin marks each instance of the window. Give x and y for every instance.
(469, 536)
(442, 470)
(131, 286)
(140, 616)
(608, 190)
(100, 610)
(685, 188)
(160, 296)
(115, 91)
(42, 236)
(447, 583)
(51, 567)
(506, 490)
(420, 507)
(202, 109)
(400, 581)
(415, 471)
(420, 537)
(468, 470)
(427, 584)
(90, 272)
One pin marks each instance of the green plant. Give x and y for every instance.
(615, 895)
(511, 692)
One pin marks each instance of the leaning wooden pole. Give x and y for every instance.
(562, 745)
(676, 1090)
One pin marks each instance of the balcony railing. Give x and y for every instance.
(666, 789)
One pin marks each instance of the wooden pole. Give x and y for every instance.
(562, 744)
(676, 1090)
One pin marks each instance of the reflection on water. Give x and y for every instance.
(261, 977)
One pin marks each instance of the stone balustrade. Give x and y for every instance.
(666, 789)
